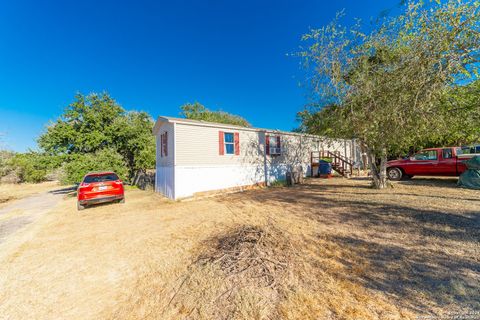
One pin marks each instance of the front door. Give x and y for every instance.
(447, 164)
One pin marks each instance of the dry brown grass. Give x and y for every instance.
(331, 249)
(10, 192)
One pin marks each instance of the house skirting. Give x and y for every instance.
(185, 181)
(165, 181)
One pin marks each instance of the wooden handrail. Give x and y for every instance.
(340, 157)
(337, 160)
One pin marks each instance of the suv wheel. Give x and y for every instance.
(394, 174)
(79, 206)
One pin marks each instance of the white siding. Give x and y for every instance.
(192, 179)
(165, 170)
(342, 146)
(165, 181)
(200, 167)
(199, 145)
(194, 163)
(296, 152)
(168, 160)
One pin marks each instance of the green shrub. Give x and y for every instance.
(103, 160)
(32, 166)
(5, 157)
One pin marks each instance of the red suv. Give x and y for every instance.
(98, 187)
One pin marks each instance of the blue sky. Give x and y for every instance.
(157, 55)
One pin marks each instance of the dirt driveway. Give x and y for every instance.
(18, 214)
(11, 192)
(330, 249)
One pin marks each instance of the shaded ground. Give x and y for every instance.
(346, 252)
(419, 242)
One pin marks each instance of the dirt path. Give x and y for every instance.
(24, 212)
(11, 192)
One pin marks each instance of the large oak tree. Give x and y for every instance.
(95, 125)
(386, 88)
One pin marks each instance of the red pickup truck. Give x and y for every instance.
(430, 162)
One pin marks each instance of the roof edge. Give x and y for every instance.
(165, 119)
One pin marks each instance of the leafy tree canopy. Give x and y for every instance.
(95, 123)
(197, 111)
(389, 85)
(462, 104)
(87, 125)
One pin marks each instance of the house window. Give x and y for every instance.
(164, 144)
(273, 145)
(229, 143)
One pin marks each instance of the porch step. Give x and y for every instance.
(342, 165)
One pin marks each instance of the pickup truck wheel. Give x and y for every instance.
(79, 206)
(394, 174)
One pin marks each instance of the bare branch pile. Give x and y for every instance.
(243, 269)
(250, 253)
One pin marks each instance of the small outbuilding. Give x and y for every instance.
(196, 156)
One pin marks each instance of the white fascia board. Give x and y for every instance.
(232, 127)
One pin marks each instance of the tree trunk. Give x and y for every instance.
(378, 168)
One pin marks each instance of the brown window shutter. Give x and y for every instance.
(166, 144)
(161, 145)
(278, 141)
(267, 143)
(221, 143)
(237, 143)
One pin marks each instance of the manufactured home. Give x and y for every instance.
(196, 156)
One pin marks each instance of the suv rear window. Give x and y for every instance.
(100, 178)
